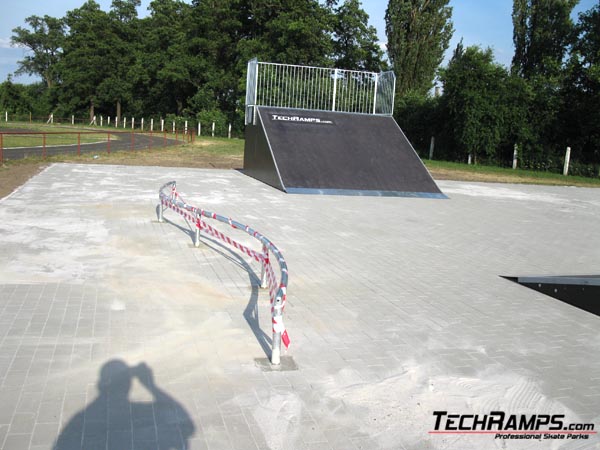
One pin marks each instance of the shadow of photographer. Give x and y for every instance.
(113, 421)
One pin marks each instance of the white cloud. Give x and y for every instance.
(5, 43)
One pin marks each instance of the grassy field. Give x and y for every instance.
(442, 170)
(57, 135)
(37, 140)
(221, 153)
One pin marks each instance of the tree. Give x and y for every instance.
(418, 33)
(44, 40)
(580, 116)
(542, 30)
(355, 44)
(474, 86)
(88, 57)
(117, 86)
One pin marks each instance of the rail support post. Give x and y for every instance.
(198, 228)
(276, 347)
(263, 271)
(161, 209)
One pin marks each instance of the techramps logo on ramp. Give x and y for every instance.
(300, 119)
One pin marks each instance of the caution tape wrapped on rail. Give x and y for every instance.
(170, 198)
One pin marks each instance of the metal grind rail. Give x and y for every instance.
(170, 198)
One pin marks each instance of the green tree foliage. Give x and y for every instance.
(542, 30)
(87, 58)
(473, 90)
(355, 45)
(418, 33)
(580, 114)
(44, 40)
(163, 71)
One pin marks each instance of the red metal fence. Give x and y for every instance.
(22, 144)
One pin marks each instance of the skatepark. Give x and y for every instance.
(119, 332)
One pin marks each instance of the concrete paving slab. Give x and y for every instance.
(114, 330)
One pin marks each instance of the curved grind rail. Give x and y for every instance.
(170, 198)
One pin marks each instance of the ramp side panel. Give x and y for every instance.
(339, 151)
(259, 162)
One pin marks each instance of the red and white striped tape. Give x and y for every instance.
(194, 215)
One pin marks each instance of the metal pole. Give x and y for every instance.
(160, 212)
(198, 226)
(276, 347)
(335, 75)
(375, 94)
(567, 160)
(263, 271)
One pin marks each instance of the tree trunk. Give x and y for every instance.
(91, 109)
(118, 111)
(179, 107)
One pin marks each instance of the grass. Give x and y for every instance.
(37, 140)
(442, 170)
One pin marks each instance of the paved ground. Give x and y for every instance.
(116, 333)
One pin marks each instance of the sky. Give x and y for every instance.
(486, 23)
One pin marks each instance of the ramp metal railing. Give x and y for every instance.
(318, 88)
(171, 199)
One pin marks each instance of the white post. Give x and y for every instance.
(229, 132)
(52, 118)
(116, 121)
(567, 160)
(431, 147)
(162, 125)
(101, 120)
(515, 154)
(108, 121)
(375, 94)
(213, 129)
(6, 116)
(469, 161)
(142, 125)
(335, 75)
(198, 226)
(124, 122)
(132, 123)
(199, 128)
(151, 124)
(72, 120)
(173, 127)
(185, 127)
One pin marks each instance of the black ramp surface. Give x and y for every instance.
(329, 152)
